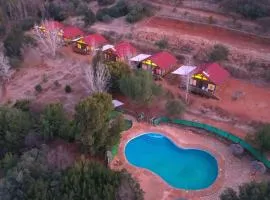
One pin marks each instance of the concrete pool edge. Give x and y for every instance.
(178, 147)
(140, 129)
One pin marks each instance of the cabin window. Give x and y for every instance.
(211, 87)
(193, 82)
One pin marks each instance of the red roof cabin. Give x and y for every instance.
(89, 43)
(160, 63)
(207, 77)
(51, 26)
(123, 51)
(71, 33)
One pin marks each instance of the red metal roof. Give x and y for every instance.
(52, 25)
(95, 39)
(214, 72)
(164, 60)
(71, 32)
(124, 49)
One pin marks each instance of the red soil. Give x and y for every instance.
(209, 32)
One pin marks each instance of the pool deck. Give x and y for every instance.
(156, 188)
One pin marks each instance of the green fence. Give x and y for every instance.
(257, 154)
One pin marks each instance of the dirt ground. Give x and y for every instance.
(208, 32)
(35, 71)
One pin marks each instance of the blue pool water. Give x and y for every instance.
(190, 169)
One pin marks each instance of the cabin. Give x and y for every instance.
(207, 78)
(71, 33)
(87, 44)
(136, 61)
(122, 51)
(160, 63)
(185, 72)
(51, 26)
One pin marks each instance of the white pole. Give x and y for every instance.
(187, 81)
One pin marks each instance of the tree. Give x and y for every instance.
(4, 70)
(129, 189)
(13, 43)
(92, 118)
(48, 42)
(162, 44)
(138, 11)
(139, 86)
(229, 194)
(117, 71)
(89, 17)
(218, 53)
(175, 107)
(105, 2)
(89, 180)
(97, 77)
(262, 138)
(54, 123)
(247, 191)
(14, 126)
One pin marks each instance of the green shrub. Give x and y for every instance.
(56, 83)
(14, 42)
(218, 53)
(105, 2)
(248, 8)
(54, 123)
(28, 23)
(89, 17)
(38, 88)
(101, 13)
(140, 87)
(162, 44)
(175, 107)
(23, 105)
(56, 11)
(68, 89)
(261, 138)
(138, 11)
(119, 10)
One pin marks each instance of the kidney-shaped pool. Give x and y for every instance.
(190, 169)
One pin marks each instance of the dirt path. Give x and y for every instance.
(208, 32)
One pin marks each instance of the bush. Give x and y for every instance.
(162, 44)
(138, 11)
(105, 2)
(54, 123)
(119, 10)
(56, 83)
(140, 87)
(175, 107)
(262, 138)
(38, 88)
(23, 105)
(248, 191)
(28, 23)
(248, 8)
(117, 71)
(89, 17)
(13, 43)
(14, 126)
(56, 11)
(218, 53)
(68, 89)
(101, 13)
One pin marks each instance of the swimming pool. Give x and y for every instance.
(190, 169)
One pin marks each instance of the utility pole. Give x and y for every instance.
(187, 80)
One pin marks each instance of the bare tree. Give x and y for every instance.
(49, 40)
(97, 78)
(4, 71)
(22, 9)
